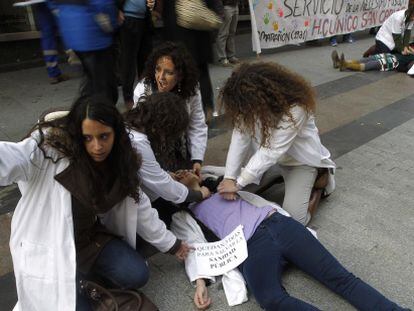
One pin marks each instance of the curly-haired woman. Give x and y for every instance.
(272, 111)
(78, 176)
(159, 121)
(171, 69)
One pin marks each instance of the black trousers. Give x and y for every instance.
(99, 75)
(136, 45)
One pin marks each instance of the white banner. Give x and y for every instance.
(222, 256)
(280, 22)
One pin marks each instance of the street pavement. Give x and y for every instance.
(367, 122)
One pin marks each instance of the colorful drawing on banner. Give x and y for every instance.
(266, 18)
(281, 22)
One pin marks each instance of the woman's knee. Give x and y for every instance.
(135, 276)
(298, 211)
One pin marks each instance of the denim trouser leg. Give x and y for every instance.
(99, 75)
(297, 245)
(263, 269)
(121, 266)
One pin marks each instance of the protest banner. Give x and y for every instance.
(279, 22)
(222, 256)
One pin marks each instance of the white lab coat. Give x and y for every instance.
(155, 181)
(197, 131)
(42, 238)
(392, 25)
(299, 143)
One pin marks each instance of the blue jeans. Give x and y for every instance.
(120, 266)
(279, 240)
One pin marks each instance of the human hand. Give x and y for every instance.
(189, 179)
(150, 4)
(173, 176)
(121, 17)
(201, 298)
(228, 189)
(183, 251)
(407, 50)
(197, 169)
(205, 192)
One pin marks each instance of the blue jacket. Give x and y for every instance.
(86, 25)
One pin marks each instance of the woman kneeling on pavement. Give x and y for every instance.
(170, 68)
(274, 239)
(78, 175)
(157, 123)
(272, 111)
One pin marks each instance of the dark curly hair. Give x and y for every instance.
(65, 136)
(164, 118)
(185, 67)
(264, 92)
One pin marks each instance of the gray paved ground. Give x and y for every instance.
(366, 120)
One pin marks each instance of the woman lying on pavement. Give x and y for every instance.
(273, 240)
(78, 176)
(272, 112)
(157, 123)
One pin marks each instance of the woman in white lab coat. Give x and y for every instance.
(80, 195)
(157, 123)
(170, 68)
(272, 111)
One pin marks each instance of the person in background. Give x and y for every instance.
(48, 30)
(81, 208)
(88, 28)
(199, 44)
(272, 112)
(136, 43)
(170, 68)
(226, 47)
(395, 33)
(347, 38)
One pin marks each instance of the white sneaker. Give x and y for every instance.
(411, 71)
(225, 62)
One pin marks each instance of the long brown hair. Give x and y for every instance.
(65, 136)
(164, 118)
(263, 93)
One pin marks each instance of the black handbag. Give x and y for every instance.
(103, 299)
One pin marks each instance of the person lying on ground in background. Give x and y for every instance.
(395, 36)
(157, 122)
(273, 114)
(275, 239)
(78, 175)
(171, 69)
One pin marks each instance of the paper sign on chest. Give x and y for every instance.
(222, 256)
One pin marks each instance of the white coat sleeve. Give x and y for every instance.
(197, 132)
(280, 142)
(186, 229)
(154, 178)
(19, 161)
(240, 144)
(151, 228)
(139, 91)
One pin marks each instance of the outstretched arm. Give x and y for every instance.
(201, 298)
(19, 161)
